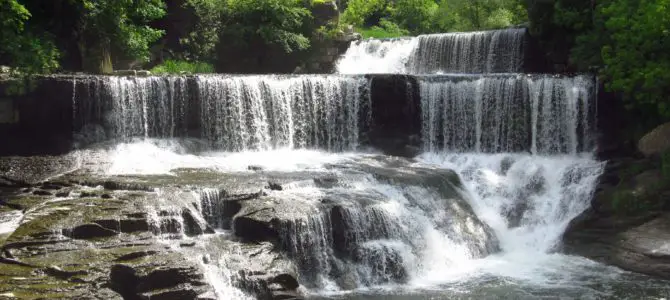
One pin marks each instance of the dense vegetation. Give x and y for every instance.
(627, 42)
(382, 17)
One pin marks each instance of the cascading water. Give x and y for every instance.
(125, 107)
(541, 114)
(377, 56)
(234, 113)
(266, 112)
(506, 166)
(498, 51)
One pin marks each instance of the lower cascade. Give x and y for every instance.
(247, 208)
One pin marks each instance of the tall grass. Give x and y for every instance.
(182, 67)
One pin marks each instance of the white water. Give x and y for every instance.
(554, 189)
(155, 157)
(494, 51)
(542, 114)
(9, 221)
(232, 113)
(374, 56)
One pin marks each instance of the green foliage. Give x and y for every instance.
(415, 15)
(200, 41)
(182, 67)
(365, 13)
(627, 41)
(276, 22)
(430, 16)
(25, 52)
(637, 57)
(123, 25)
(466, 15)
(386, 29)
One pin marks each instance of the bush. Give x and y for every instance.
(180, 67)
(387, 29)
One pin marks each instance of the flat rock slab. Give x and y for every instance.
(640, 244)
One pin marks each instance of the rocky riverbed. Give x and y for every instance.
(70, 231)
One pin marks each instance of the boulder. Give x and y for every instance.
(655, 142)
(42, 193)
(638, 244)
(91, 231)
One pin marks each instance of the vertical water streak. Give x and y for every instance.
(266, 112)
(128, 107)
(494, 51)
(507, 113)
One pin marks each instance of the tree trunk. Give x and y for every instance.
(105, 58)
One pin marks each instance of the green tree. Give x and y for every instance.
(203, 35)
(467, 15)
(637, 57)
(366, 13)
(118, 29)
(415, 15)
(21, 49)
(254, 30)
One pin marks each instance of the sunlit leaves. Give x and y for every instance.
(27, 52)
(637, 57)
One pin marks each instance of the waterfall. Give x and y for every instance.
(542, 114)
(268, 112)
(232, 113)
(110, 107)
(497, 51)
(506, 164)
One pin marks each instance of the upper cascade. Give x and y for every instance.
(495, 51)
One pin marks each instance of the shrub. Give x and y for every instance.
(180, 67)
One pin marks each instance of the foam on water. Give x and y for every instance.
(528, 201)
(149, 157)
(9, 221)
(373, 56)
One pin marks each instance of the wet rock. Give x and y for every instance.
(135, 255)
(383, 262)
(638, 244)
(287, 281)
(42, 193)
(106, 196)
(187, 244)
(286, 295)
(126, 186)
(191, 226)
(124, 280)
(254, 227)
(174, 282)
(91, 231)
(63, 194)
(255, 168)
(51, 186)
(655, 142)
(88, 195)
(273, 186)
(326, 182)
(61, 274)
